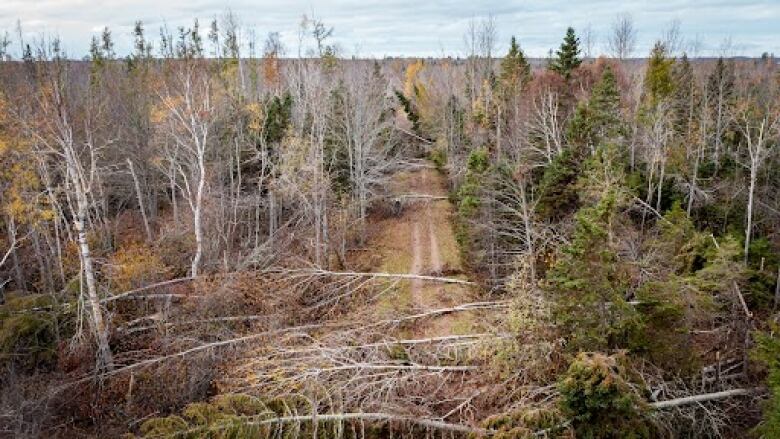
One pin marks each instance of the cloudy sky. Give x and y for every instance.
(409, 27)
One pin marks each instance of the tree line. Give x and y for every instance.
(626, 212)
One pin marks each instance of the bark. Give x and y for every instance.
(700, 398)
(141, 205)
(105, 357)
(317, 272)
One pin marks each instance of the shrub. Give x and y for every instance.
(768, 352)
(135, 265)
(600, 402)
(29, 338)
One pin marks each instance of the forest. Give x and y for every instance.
(216, 238)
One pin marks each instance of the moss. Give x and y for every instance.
(30, 327)
(526, 423)
(767, 352)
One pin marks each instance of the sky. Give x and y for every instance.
(368, 28)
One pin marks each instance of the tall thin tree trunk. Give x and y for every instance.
(751, 191)
(11, 226)
(140, 198)
(105, 358)
(197, 217)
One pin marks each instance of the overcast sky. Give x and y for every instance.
(409, 27)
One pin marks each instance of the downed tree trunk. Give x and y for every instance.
(701, 398)
(315, 326)
(146, 288)
(386, 417)
(420, 196)
(320, 272)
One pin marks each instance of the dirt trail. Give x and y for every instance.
(422, 241)
(417, 263)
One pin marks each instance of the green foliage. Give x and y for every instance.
(237, 416)
(558, 193)
(567, 56)
(410, 110)
(588, 284)
(469, 192)
(762, 270)
(720, 83)
(439, 158)
(686, 96)
(723, 269)
(227, 418)
(596, 395)
(336, 142)
(29, 330)
(599, 119)
(670, 305)
(524, 423)
(683, 248)
(767, 351)
(515, 69)
(659, 84)
(278, 113)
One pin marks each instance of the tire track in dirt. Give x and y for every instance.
(435, 260)
(417, 261)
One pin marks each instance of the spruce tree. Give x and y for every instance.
(515, 69)
(599, 119)
(658, 78)
(588, 284)
(685, 96)
(568, 55)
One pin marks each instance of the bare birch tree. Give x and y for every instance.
(622, 41)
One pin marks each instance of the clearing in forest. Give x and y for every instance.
(421, 241)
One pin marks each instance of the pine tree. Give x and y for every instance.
(568, 55)
(515, 70)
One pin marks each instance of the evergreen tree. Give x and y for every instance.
(658, 78)
(721, 100)
(598, 397)
(721, 80)
(599, 119)
(515, 69)
(588, 283)
(685, 96)
(568, 55)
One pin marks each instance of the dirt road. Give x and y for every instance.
(421, 240)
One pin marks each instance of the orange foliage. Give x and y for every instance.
(133, 266)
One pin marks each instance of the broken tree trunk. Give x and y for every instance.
(320, 272)
(700, 398)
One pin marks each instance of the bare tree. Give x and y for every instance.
(758, 133)
(66, 130)
(588, 37)
(672, 38)
(622, 40)
(189, 115)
